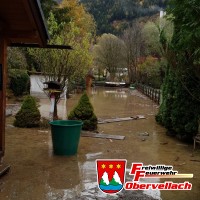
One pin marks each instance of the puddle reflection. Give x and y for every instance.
(93, 155)
(116, 93)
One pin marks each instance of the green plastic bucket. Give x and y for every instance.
(65, 136)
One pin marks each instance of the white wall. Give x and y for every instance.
(37, 85)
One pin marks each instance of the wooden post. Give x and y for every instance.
(89, 83)
(3, 73)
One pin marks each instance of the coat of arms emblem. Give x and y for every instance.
(111, 175)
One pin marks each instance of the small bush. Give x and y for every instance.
(84, 111)
(19, 81)
(29, 115)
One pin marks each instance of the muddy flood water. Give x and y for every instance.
(37, 174)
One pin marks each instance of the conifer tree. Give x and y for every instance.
(29, 115)
(84, 111)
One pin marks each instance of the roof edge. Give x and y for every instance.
(39, 20)
(47, 46)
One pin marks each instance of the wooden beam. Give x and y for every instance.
(103, 136)
(104, 121)
(48, 46)
(3, 72)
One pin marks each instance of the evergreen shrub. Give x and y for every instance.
(29, 115)
(179, 111)
(19, 81)
(84, 111)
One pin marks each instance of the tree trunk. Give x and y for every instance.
(55, 113)
(131, 75)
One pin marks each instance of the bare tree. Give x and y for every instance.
(134, 48)
(109, 54)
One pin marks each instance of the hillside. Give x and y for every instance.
(113, 16)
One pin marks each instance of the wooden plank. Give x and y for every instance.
(104, 121)
(4, 170)
(114, 120)
(195, 160)
(104, 136)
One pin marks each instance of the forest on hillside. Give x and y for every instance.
(113, 16)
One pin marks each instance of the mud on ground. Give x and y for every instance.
(38, 174)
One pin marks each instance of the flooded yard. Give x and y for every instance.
(38, 174)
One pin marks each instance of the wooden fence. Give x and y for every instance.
(154, 94)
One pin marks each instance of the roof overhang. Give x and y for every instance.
(22, 21)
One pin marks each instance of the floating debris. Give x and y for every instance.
(182, 144)
(180, 164)
(195, 160)
(43, 131)
(163, 143)
(4, 170)
(100, 135)
(104, 121)
(144, 134)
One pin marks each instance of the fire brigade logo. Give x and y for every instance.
(111, 175)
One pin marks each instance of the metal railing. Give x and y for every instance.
(153, 94)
